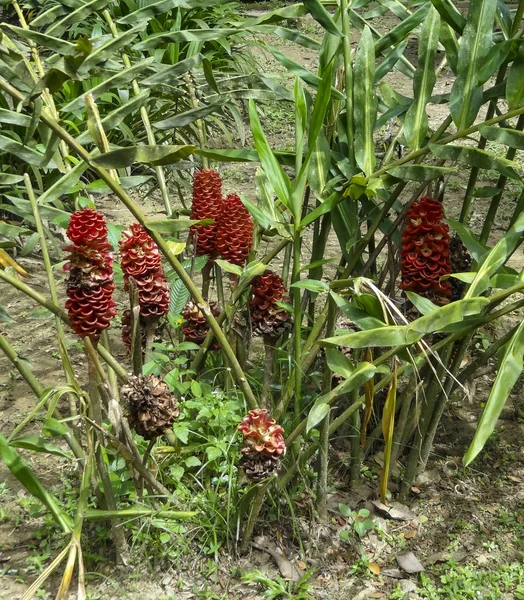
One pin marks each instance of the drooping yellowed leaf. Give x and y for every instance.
(369, 394)
(7, 261)
(388, 427)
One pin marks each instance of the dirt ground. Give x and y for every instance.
(456, 521)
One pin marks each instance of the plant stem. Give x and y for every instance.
(297, 316)
(348, 78)
(269, 346)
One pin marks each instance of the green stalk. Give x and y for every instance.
(297, 316)
(93, 514)
(140, 217)
(145, 120)
(256, 506)
(323, 461)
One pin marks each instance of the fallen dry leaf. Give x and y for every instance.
(410, 563)
(515, 479)
(397, 511)
(374, 568)
(410, 534)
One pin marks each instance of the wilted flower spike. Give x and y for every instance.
(152, 408)
(90, 284)
(267, 316)
(207, 204)
(235, 231)
(141, 260)
(425, 255)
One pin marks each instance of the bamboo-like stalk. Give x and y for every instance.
(323, 462)
(348, 78)
(297, 317)
(140, 217)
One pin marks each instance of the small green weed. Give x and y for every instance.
(280, 588)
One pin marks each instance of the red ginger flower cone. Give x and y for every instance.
(196, 328)
(90, 286)
(425, 255)
(207, 204)
(264, 444)
(267, 317)
(235, 231)
(141, 260)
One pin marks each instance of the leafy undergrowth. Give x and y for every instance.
(464, 526)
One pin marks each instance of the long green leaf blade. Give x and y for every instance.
(509, 371)
(466, 94)
(365, 106)
(416, 120)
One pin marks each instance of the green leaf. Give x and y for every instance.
(319, 165)
(152, 9)
(14, 118)
(405, 335)
(213, 453)
(515, 82)
(420, 172)
(180, 37)
(311, 285)
(495, 258)
(390, 60)
(509, 371)
(476, 158)
(416, 119)
(150, 155)
(31, 483)
(466, 93)
(320, 14)
(179, 295)
(388, 426)
(339, 363)
(181, 431)
(36, 443)
(185, 118)
(121, 78)
(11, 231)
(474, 247)
(5, 317)
(243, 155)
(508, 137)
(21, 151)
(274, 172)
(423, 305)
(107, 50)
(172, 226)
(365, 103)
(253, 269)
(77, 16)
(171, 74)
(362, 373)
(228, 267)
(400, 31)
(54, 428)
(7, 179)
(450, 14)
(115, 117)
(193, 461)
(46, 41)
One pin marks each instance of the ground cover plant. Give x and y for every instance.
(217, 362)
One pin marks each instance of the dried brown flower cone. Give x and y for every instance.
(151, 407)
(460, 263)
(257, 466)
